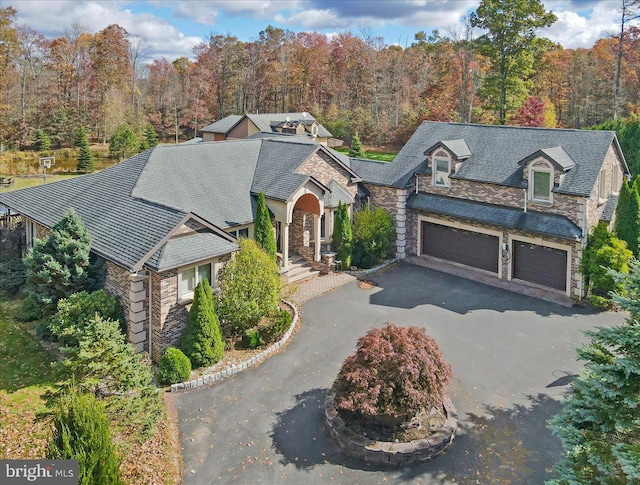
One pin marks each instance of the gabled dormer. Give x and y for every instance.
(544, 170)
(444, 158)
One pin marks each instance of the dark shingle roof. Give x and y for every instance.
(123, 229)
(223, 125)
(458, 147)
(609, 208)
(188, 249)
(530, 221)
(212, 180)
(338, 194)
(558, 155)
(495, 153)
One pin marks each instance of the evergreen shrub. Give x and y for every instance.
(174, 367)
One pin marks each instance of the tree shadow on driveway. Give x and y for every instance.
(503, 445)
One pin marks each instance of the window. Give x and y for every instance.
(314, 130)
(602, 184)
(441, 172)
(240, 233)
(323, 230)
(190, 277)
(615, 181)
(541, 185)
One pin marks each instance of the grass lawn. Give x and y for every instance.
(380, 156)
(23, 182)
(26, 377)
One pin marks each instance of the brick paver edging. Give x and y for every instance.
(386, 452)
(234, 369)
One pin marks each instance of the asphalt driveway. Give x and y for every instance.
(512, 358)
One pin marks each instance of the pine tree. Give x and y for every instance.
(356, 151)
(263, 229)
(202, 341)
(150, 135)
(57, 265)
(81, 432)
(123, 143)
(85, 160)
(627, 225)
(42, 141)
(598, 426)
(342, 235)
(104, 365)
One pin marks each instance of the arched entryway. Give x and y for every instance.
(304, 230)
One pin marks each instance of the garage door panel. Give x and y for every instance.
(539, 264)
(461, 246)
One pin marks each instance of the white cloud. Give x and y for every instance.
(52, 18)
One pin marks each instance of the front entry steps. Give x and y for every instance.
(298, 270)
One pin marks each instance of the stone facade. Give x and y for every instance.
(324, 168)
(394, 201)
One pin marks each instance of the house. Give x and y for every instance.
(515, 204)
(235, 127)
(170, 216)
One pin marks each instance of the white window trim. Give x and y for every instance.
(30, 232)
(546, 168)
(213, 268)
(602, 181)
(615, 180)
(434, 173)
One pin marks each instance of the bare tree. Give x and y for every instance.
(630, 10)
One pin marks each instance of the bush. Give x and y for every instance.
(202, 341)
(30, 309)
(249, 287)
(374, 235)
(251, 339)
(104, 365)
(277, 326)
(12, 271)
(81, 432)
(263, 229)
(74, 313)
(342, 235)
(174, 367)
(13, 275)
(396, 372)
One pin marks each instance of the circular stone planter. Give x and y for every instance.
(388, 452)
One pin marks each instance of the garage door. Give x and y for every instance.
(465, 247)
(539, 264)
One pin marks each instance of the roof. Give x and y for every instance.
(558, 155)
(224, 125)
(266, 123)
(609, 210)
(190, 248)
(132, 208)
(512, 218)
(338, 194)
(458, 147)
(496, 152)
(210, 179)
(123, 229)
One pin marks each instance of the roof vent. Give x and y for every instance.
(304, 114)
(287, 119)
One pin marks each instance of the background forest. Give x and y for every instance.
(352, 82)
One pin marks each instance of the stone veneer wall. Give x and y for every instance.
(394, 201)
(322, 167)
(565, 205)
(133, 293)
(576, 246)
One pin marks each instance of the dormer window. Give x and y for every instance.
(314, 130)
(441, 171)
(541, 183)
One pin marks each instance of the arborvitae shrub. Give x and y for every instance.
(202, 342)
(174, 367)
(396, 371)
(263, 229)
(81, 432)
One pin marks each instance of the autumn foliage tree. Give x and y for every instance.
(530, 113)
(396, 371)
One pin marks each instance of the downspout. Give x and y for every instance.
(416, 182)
(525, 200)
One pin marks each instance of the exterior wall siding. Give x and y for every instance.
(322, 167)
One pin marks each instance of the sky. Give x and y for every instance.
(173, 28)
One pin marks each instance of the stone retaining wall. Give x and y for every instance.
(234, 369)
(391, 453)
